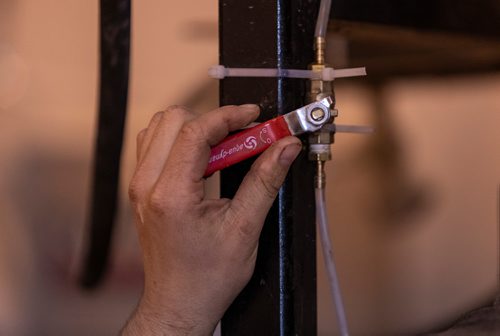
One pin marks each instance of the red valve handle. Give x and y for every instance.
(247, 143)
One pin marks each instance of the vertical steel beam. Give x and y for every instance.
(281, 296)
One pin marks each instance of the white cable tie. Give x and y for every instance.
(217, 71)
(354, 129)
(327, 74)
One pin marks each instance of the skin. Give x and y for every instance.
(198, 253)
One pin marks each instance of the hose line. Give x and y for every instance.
(323, 17)
(322, 222)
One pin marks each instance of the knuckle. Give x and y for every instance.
(228, 107)
(175, 107)
(135, 190)
(191, 130)
(178, 111)
(227, 119)
(157, 116)
(264, 175)
(158, 203)
(141, 134)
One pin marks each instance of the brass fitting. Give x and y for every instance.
(319, 48)
(320, 141)
(320, 177)
(319, 89)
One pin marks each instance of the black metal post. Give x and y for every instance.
(113, 93)
(281, 296)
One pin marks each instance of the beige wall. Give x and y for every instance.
(415, 233)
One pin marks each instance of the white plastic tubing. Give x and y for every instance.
(323, 17)
(322, 223)
(321, 215)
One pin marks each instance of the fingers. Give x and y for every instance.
(153, 146)
(260, 186)
(147, 134)
(186, 165)
(161, 141)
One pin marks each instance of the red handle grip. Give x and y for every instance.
(245, 144)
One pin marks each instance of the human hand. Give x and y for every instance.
(198, 253)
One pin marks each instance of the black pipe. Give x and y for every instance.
(280, 299)
(113, 93)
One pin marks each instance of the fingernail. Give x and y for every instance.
(289, 154)
(250, 107)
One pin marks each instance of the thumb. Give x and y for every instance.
(260, 186)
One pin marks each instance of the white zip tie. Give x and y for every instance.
(327, 74)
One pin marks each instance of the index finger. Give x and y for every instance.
(185, 167)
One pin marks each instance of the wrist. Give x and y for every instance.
(154, 319)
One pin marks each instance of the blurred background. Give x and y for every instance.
(414, 208)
